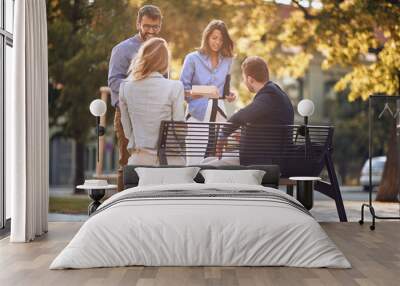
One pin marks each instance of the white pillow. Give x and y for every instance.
(166, 176)
(248, 177)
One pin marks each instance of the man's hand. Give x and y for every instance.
(236, 135)
(231, 97)
(220, 147)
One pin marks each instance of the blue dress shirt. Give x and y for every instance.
(197, 70)
(121, 58)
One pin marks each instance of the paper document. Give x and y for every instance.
(205, 90)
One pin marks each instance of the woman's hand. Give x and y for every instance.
(231, 97)
(215, 93)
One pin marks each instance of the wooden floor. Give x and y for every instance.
(375, 257)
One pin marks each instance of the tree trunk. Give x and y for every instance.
(390, 183)
(79, 164)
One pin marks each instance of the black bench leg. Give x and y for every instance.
(341, 210)
(334, 193)
(337, 196)
(339, 202)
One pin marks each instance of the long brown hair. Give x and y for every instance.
(153, 56)
(227, 45)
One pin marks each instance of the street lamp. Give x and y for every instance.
(98, 108)
(305, 108)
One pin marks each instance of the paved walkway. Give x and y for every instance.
(325, 210)
(53, 217)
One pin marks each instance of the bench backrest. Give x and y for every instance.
(297, 149)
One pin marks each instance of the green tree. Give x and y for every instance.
(80, 38)
(361, 36)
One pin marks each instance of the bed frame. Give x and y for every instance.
(270, 179)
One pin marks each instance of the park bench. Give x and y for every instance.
(299, 150)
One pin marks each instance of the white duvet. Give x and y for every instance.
(200, 231)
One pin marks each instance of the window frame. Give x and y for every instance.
(6, 39)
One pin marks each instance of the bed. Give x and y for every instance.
(197, 224)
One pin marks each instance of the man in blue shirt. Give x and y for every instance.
(148, 24)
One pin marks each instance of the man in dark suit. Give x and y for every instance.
(270, 106)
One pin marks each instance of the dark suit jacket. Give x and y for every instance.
(270, 106)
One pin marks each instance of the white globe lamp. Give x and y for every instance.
(98, 108)
(305, 108)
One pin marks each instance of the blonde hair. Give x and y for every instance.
(153, 56)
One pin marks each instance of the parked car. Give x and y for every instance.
(378, 164)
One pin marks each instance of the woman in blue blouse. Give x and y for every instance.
(209, 65)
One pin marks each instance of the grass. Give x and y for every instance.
(69, 205)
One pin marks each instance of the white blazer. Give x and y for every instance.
(144, 104)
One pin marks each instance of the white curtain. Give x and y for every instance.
(27, 142)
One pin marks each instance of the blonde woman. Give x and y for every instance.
(146, 98)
